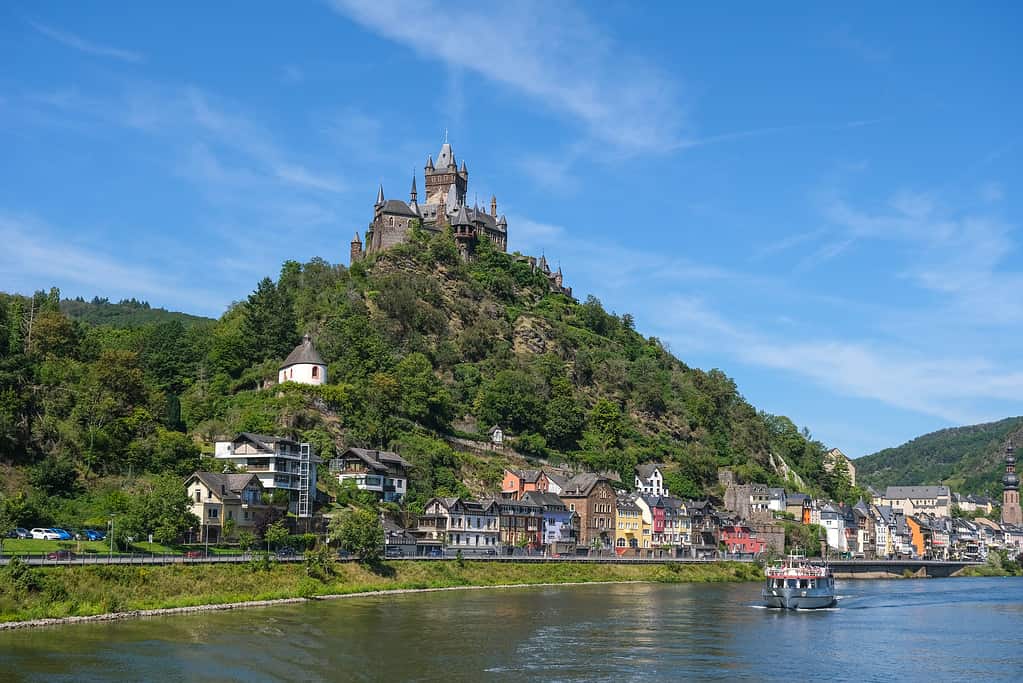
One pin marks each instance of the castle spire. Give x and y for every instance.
(429, 163)
(412, 193)
(380, 195)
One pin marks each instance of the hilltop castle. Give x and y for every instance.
(445, 205)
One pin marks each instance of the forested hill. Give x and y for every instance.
(125, 313)
(420, 345)
(969, 459)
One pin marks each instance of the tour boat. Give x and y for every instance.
(797, 583)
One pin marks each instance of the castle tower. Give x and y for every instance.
(493, 206)
(355, 252)
(1011, 513)
(445, 175)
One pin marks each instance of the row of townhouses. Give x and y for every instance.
(901, 522)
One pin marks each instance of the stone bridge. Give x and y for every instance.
(892, 569)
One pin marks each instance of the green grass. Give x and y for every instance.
(88, 590)
(32, 546)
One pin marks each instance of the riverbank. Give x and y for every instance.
(112, 592)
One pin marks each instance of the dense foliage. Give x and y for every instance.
(969, 459)
(125, 313)
(420, 345)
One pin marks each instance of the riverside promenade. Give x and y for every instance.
(843, 569)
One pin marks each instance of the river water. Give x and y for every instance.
(934, 630)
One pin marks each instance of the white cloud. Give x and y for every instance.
(549, 52)
(961, 255)
(82, 45)
(37, 258)
(946, 387)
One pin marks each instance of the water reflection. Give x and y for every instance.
(907, 630)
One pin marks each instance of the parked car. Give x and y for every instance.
(286, 552)
(45, 534)
(90, 535)
(60, 555)
(435, 552)
(21, 532)
(193, 554)
(393, 551)
(62, 535)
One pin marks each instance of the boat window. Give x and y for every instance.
(791, 583)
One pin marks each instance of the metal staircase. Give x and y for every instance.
(305, 453)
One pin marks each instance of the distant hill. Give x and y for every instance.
(969, 459)
(125, 313)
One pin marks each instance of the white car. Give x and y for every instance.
(45, 534)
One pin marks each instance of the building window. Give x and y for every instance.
(316, 372)
(213, 513)
(198, 496)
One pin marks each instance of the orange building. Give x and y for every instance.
(517, 482)
(916, 530)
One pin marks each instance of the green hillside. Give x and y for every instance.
(125, 313)
(969, 459)
(420, 346)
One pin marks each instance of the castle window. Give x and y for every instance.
(316, 372)
(390, 220)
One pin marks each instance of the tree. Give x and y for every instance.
(54, 477)
(359, 532)
(160, 507)
(269, 325)
(246, 540)
(275, 534)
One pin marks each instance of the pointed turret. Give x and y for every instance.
(413, 196)
(464, 172)
(429, 164)
(380, 195)
(355, 249)
(446, 157)
(493, 206)
(461, 218)
(502, 222)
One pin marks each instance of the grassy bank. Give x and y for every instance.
(53, 592)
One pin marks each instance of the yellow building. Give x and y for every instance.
(629, 530)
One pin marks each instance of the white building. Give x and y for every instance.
(915, 500)
(461, 524)
(279, 462)
(777, 501)
(303, 365)
(381, 472)
(834, 524)
(650, 480)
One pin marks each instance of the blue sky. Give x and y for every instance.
(821, 201)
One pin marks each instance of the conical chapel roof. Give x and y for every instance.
(304, 353)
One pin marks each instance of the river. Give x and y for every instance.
(935, 630)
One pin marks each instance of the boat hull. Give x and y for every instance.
(798, 598)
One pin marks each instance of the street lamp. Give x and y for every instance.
(111, 534)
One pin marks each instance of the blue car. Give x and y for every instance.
(91, 535)
(64, 535)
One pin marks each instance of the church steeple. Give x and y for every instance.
(413, 203)
(1011, 513)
